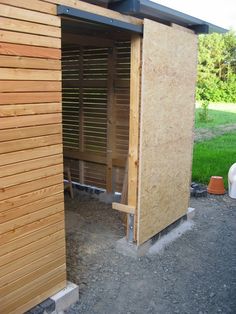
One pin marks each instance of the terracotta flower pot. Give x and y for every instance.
(216, 185)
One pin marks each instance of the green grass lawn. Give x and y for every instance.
(214, 158)
(218, 114)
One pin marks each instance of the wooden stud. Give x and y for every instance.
(135, 82)
(123, 208)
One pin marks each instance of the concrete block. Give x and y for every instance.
(131, 249)
(66, 297)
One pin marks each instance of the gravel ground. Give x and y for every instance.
(194, 274)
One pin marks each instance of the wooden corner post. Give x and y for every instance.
(135, 90)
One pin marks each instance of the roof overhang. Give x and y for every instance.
(163, 14)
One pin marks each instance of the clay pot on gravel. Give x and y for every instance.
(216, 185)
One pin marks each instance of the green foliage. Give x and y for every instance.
(204, 113)
(214, 158)
(217, 67)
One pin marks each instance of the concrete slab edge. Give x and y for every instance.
(59, 302)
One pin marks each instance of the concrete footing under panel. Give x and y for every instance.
(158, 242)
(59, 302)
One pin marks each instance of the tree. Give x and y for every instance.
(217, 67)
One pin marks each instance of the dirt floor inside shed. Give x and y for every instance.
(194, 274)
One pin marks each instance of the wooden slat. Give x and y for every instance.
(32, 262)
(35, 5)
(30, 218)
(31, 75)
(29, 39)
(123, 208)
(28, 229)
(29, 109)
(29, 15)
(29, 86)
(34, 131)
(29, 165)
(31, 151)
(15, 213)
(135, 85)
(31, 197)
(21, 178)
(29, 51)
(13, 122)
(29, 63)
(26, 279)
(29, 27)
(37, 291)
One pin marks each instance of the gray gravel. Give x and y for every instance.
(194, 274)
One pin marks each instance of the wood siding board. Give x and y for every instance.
(29, 15)
(29, 27)
(29, 51)
(29, 39)
(167, 114)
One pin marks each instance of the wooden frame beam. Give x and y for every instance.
(135, 89)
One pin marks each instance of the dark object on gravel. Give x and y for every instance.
(198, 190)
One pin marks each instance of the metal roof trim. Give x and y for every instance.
(163, 14)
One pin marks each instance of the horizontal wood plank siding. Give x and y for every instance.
(32, 248)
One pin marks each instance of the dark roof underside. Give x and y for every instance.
(160, 13)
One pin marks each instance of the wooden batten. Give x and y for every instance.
(133, 157)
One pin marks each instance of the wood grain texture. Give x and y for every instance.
(32, 236)
(167, 114)
(29, 51)
(29, 27)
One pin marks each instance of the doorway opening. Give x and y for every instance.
(95, 107)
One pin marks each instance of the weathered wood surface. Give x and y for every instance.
(167, 114)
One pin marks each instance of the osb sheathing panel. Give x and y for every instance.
(167, 115)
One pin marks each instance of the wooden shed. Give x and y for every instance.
(109, 87)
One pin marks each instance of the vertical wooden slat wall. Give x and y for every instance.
(32, 250)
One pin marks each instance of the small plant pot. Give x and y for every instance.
(216, 186)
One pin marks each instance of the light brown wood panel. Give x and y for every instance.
(29, 109)
(30, 176)
(29, 86)
(19, 283)
(29, 186)
(20, 145)
(167, 114)
(29, 51)
(30, 261)
(35, 5)
(29, 63)
(7, 216)
(135, 86)
(29, 39)
(29, 165)
(37, 291)
(27, 249)
(29, 27)
(29, 15)
(34, 131)
(41, 119)
(28, 229)
(32, 217)
(31, 197)
(31, 75)
(30, 153)
(19, 243)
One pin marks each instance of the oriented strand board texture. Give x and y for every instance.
(32, 243)
(167, 115)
